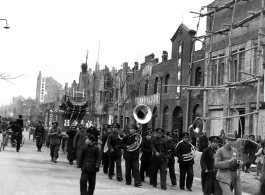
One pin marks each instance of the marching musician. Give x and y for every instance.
(171, 160)
(208, 174)
(105, 155)
(226, 162)
(184, 152)
(146, 156)
(114, 152)
(159, 158)
(132, 156)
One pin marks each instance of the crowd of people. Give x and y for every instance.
(147, 153)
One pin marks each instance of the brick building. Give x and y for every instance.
(173, 107)
(239, 65)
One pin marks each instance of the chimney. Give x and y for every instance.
(136, 65)
(164, 56)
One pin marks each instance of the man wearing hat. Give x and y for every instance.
(226, 162)
(249, 151)
(55, 134)
(146, 156)
(171, 158)
(105, 155)
(208, 173)
(114, 152)
(89, 163)
(184, 152)
(159, 159)
(132, 156)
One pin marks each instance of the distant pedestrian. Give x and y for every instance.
(16, 135)
(71, 155)
(39, 135)
(89, 163)
(93, 131)
(55, 134)
(79, 141)
(250, 148)
(260, 158)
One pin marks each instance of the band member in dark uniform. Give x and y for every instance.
(105, 155)
(208, 174)
(114, 152)
(184, 152)
(171, 151)
(132, 156)
(146, 156)
(159, 159)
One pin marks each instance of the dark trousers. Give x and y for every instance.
(183, 170)
(172, 174)
(132, 166)
(18, 140)
(105, 160)
(116, 159)
(90, 178)
(145, 167)
(39, 143)
(54, 150)
(162, 166)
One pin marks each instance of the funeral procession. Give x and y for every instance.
(132, 97)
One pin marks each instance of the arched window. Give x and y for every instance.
(166, 83)
(156, 86)
(198, 77)
(155, 117)
(165, 118)
(146, 87)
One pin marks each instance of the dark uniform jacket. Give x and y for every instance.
(171, 151)
(104, 140)
(203, 142)
(146, 150)
(90, 158)
(39, 132)
(127, 141)
(20, 122)
(159, 145)
(114, 143)
(17, 131)
(184, 148)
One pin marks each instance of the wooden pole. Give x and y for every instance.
(259, 53)
(208, 64)
(229, 60)
(190, 71)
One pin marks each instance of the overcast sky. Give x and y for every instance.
(53, 36)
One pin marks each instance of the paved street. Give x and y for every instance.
(30, 172)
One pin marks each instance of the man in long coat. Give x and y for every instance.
(209, 183)
(71, 154)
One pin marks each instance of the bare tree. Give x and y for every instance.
(8, 77)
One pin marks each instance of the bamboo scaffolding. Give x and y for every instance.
(229, 117)
(259, 51)
(229, 56)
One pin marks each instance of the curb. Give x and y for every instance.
(199, 180)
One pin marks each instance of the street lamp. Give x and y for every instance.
(6, 27)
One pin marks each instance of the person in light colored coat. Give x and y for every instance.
(226, 162)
